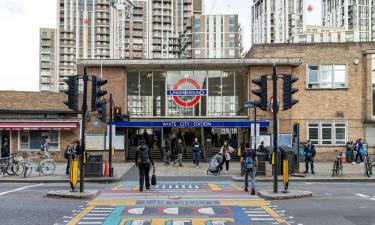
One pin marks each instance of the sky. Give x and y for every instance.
(20, 21)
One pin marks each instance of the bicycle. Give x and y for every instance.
(338, 168)
(5, 168)
(46, 166)
(16, 164)
(367, 165)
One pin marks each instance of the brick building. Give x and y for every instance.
(205, 98)
(27, 118)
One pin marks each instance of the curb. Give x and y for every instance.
(88, 194)
(269, 195)
(333, 180)
(109, 180)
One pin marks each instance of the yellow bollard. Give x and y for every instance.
(73, 174)
(285, 174)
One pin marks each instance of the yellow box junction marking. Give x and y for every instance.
(276, 216)
(236, 187)
(214, 187)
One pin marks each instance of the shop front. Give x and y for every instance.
(187, 104)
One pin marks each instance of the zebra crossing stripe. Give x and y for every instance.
(255, 215)
(94, 218)
(264, 219)
(90, 223)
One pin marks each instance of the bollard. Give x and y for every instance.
(285, 175)
(73, 174)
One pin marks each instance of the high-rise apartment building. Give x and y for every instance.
(153, 28)
(47, 60)
(353, 15)
(211, 36)
(83, 32)
(275, 21)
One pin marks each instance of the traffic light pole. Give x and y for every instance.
(275, 127)
(83, 128)
(110, 135)
(255, 128)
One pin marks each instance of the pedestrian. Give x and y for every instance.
(179, 150)
(225, 151)
(197, 148)
(167, 151)
(309, 156)
(250, 161)
(263, 149)
(68, 156)
(143, 161)
(45, 147)
(358, 147)
(5, 148)
(145, 137)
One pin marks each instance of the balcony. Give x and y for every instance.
(45, 66)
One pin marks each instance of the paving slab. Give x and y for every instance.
(292, 194)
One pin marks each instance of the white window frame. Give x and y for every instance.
(333, 85)
(28, 149)
(334, 140)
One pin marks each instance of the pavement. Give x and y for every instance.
(352, 173)
(59, 175)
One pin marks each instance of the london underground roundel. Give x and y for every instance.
(194, 91)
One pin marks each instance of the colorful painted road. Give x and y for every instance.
(178, 203)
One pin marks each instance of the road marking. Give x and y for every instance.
(19, 189)
(98, 214)
(254, 212)
(90, 223)
(94, 218)
(265, 219)
(361, 195)
(265, 215)
(372, 199)
(82, 214)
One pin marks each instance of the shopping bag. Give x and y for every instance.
(153, 178)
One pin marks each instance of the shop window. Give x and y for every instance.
(32, 140)
(326, 76)
(327, 133)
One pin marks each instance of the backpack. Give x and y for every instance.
(249, 162)
(42, 148)
(143, 157)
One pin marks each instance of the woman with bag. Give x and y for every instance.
(144, 161)
(225, 151)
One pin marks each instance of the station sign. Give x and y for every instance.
(195, 91)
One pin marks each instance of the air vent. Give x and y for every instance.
(340, 114)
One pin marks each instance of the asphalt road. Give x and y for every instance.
(22, 204)
(332, 203)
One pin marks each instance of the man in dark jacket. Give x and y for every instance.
(197, 148)
(179, 151)
(144, 161)
(167, 151)
(309, 156)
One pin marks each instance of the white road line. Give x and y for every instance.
(372, 199)
(102, 211)
(196, 186)
(255, 211)
(258, 219)
(251, 215)
(96, 208)
(361, 195)
(19, 189)
(90, 223)
(98, 214)
(170, 186)
(93, 218)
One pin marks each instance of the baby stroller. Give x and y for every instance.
(214, 166)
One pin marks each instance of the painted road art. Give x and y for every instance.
(176, 203)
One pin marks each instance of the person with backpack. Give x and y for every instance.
(197, 148)
(44, 147)
(309, 156)
(179, 150)
(250, 161)
(358, 147)
(144, 161)
(168, 151)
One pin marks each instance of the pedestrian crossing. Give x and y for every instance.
(176, 186)
(97, 215)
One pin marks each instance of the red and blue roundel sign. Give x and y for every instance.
(196, 92)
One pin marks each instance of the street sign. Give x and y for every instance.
(248, 105)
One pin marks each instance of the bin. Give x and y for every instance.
(349, 152)
(94, 165)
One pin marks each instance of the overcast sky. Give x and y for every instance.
(20, 21)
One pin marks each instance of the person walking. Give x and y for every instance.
(197, 148)
(360, 151)
(45, 147)
(167, 151)
(250, 161)
(179, 150)
(143, 161)
(68, 154)
(225, 151)
(309, 156)
(145, 137)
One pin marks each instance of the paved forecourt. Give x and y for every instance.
(178, 203)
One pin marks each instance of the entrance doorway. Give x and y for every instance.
(5, 143)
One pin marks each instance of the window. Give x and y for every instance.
(32, 140)
(327, 133)
(326, 76)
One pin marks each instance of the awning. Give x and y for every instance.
(38, 125)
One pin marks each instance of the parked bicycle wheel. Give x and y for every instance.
(48, 167)
(27, 171)
(368, 169)
(18, 168)
(335, 168)
(9, 169)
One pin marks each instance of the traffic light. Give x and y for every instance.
(262, 103)
(288, 91)
(97, 93)
(72, 92)
(117, 115)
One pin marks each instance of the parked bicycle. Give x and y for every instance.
(338, 168)
(367, 165)
(46, 166)
(12, 165)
